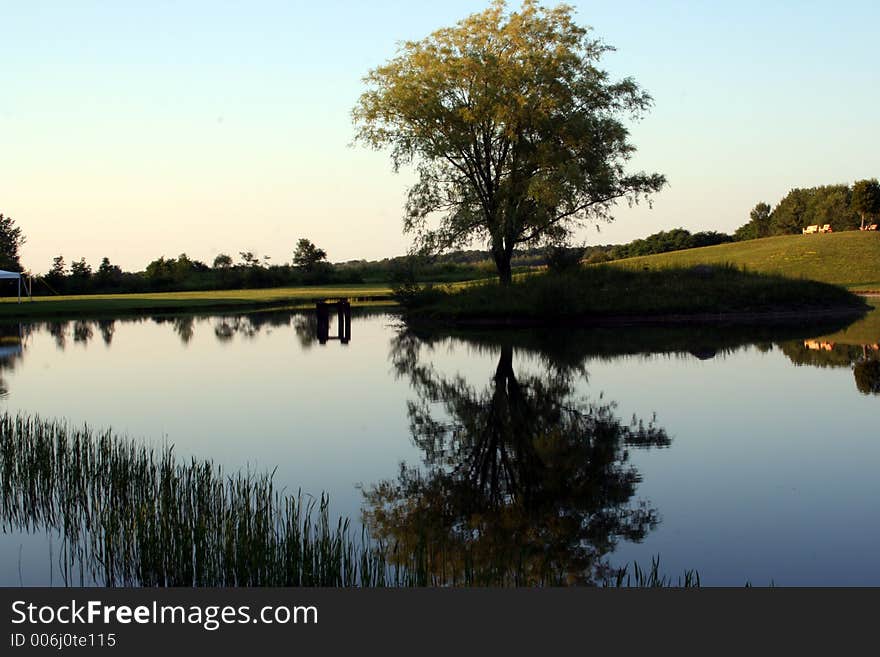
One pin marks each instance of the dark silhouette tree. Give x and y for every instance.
(248, 259)
(108, 274)
(223, 261)
(80, 270)
(307, 255)
(56, 274)
(11, 241)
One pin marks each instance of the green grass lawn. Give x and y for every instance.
(851, 259)
(98, 304)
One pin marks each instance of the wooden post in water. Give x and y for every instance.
(323, 313)
(343, 318)
(340, 322)
(345, 314)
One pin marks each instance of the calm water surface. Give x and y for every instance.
(746, 455)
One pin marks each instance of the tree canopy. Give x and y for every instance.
(759, 223)
(804, 206)
(307, 255)
(11, 241)
(222, 261)
(866, 199)
(516, 133)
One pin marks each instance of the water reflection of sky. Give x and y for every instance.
(770, 476)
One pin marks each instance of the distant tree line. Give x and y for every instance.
(308, 267)
(840, 206)
(843, 207)
(676, 239)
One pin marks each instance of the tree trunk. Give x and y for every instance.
(502, 259)
(504, 370)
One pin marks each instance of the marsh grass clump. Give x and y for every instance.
(608, 292)
(650, 578)
(128, 514)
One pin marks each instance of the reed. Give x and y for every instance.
(127, 514)
(130, 515)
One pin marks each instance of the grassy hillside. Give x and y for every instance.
(851, 258)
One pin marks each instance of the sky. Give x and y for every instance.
(133, 130)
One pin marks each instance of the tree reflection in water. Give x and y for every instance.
(864, 359)
(522, 482)
(11, 338)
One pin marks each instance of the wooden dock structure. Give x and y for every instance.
(343, 320)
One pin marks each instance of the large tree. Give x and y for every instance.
(516, 133)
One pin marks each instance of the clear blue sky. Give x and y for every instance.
(137, 129)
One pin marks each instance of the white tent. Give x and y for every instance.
(12, 274)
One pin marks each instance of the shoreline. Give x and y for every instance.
(675, 319)
(182, 303)
(275, 299)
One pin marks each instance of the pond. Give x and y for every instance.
(746, 455)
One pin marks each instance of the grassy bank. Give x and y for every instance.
(613, 293)
(851, 259)
(122, 304)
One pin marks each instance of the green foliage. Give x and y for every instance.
(171, 270)
(561, 259)
(673, 240)
(866, 199)
(790, 216)
(307, 255)
(760, 217)
(11, 241)
(830, 205)
(815, 206)
(516, 133)
(758, 226)
(597, 257)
